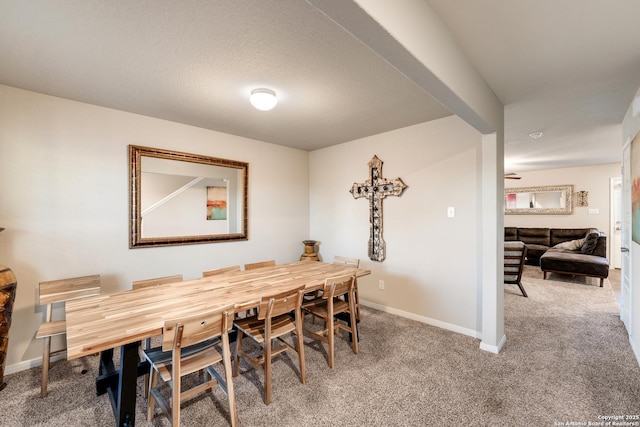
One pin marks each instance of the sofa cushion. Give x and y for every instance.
(510, 233)
(559, 235)
(590, 243)
(536, 236)
(572, 245)
(565, 261)
(601, 247)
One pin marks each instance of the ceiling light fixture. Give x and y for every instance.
(535, 135)
(263, 99)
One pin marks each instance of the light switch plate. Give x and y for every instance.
(451, 212)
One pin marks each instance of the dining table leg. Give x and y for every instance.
(127, 384)
(121, 385)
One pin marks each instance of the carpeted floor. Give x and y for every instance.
(567, 359)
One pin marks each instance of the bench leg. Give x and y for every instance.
(601, 282)
(544, 277)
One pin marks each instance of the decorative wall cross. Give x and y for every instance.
(375, 189)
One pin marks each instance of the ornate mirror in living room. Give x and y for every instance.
(179, 198)
(546, 200)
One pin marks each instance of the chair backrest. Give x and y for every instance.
(138, 284)
(185, 331)
(219, 271)
(351, 262)
(280, 303)
(514, 256)
(253, 265)
(338, 286)
(54, 291)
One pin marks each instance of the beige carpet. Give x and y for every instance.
(567, 359)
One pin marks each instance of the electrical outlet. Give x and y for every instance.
(451, 212)
(381, 284)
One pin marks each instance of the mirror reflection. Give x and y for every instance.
(547, 200)
(179, 198)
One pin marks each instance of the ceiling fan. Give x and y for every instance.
(511, 175)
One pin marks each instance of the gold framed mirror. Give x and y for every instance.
(544, 200)
(180, 198)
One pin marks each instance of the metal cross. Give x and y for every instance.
(375, 189)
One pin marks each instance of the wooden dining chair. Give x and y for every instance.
(260, 264)
(349, 262)
(515, 253)
(355, 263)
(220, 271)
(191, 344)
(139, 284)
(54, 292)
(147, 283)
(253, 266)
(337, 297)
(273, 322)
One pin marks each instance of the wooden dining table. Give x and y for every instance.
(99, 324)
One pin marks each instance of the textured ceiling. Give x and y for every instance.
(195, 62)
(569, 68)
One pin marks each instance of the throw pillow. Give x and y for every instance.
(590, 243)
(572, 245)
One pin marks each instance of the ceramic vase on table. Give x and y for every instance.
(309, 251)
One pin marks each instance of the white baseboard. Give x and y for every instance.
(493, 348)
(28, 364)
(423, 319)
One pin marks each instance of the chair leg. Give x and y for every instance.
(175, 400)
(176, 385)
(330, 322)
(226, 357)
(45, 366)
(303, 368)
(147, 345)
(236, 358)
(354, 329)
(153, 378)
(355, 285)
(522, 289)
(146, 385)
(267, 369)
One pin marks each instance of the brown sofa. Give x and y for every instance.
(582, 251)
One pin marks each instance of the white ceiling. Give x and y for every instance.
(568, 68)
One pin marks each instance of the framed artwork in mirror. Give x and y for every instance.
(178, 198)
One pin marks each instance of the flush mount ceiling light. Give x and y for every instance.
(263, 99)
(535, 135)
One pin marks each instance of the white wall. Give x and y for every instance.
(594, 179)
(432, 270)
(64, 201)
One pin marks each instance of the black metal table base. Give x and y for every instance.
(121, 384)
